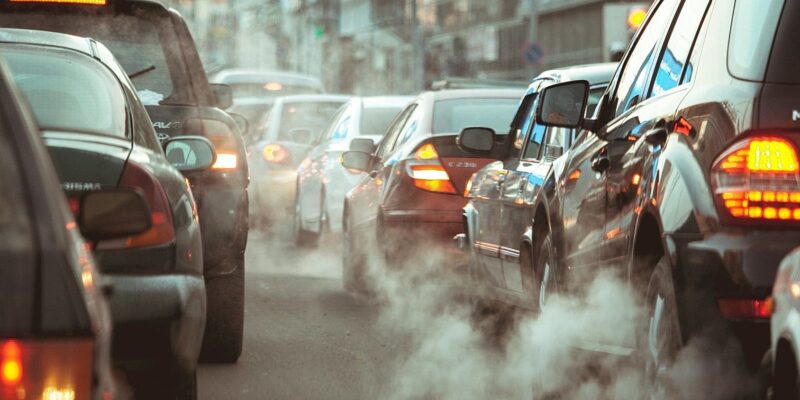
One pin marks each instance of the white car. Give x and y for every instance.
(785, 329)
(322, 182)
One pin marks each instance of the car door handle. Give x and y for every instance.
(656, 136)
(601, 163)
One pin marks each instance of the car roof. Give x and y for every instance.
(241, 75)
(454, 94)
(305, 98)
(385, 101)
(595, 74)
(44, 38)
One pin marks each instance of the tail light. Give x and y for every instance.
(221, 136)
(47, 370)
(427, 172)
(276, 154)
(746, 308)
(757, 180)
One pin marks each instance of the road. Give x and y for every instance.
(305, 338)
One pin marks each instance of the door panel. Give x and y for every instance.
(486, 201)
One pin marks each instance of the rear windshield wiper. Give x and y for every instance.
(142, 72)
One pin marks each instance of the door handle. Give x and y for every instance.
(656, 136)
(601, 163)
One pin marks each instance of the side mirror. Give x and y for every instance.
(190, 153)
(113, 214)
(223, 95)
(479, 140)
(563, 104)
(242, 123)
(359, 161)
(301, 135)
(363, 145)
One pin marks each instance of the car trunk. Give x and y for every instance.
(459, 164)
(87, 162)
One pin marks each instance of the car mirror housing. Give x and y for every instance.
(223, 94)
(563, 105)
(475, 139)
(363, 145)
(113, 214)
(359, 161)
(190, 153)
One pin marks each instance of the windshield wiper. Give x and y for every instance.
(142, 72)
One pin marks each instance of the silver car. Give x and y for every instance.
(785, 328)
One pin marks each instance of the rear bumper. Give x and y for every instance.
(426, 230)
(159, 321)
(273, 192)
(224, 221)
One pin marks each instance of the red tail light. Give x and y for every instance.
(276, 154)
(162, 231)
(757, 179)
(47, 370)
(427, 172)
(746, 308)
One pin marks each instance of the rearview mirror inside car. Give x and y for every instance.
(477, 139)
(359, 161)
(301, 135)
(190, 153)
(563, 104)
(242, 123)
(223, 94)
(363, 145)
(113, 214)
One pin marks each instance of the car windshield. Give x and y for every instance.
(375, 120)
(67, 91)
(451, 116)
(313, 116)
(141, 46)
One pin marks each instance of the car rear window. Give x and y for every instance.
(67, 91)
(752, 32)
(376, 120)
(785, 55)
(451, 116)
(314, 116)
(146, 50)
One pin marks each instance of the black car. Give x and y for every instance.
(497, 219)
(55, 326)
(100, 137)
(155, 48)
(686, 179)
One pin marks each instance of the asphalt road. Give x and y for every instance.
(305, 338)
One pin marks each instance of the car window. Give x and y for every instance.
(410, 128)
(522, 121)
(341, 129)
(535, 141)
(375, 120)
(785, 57)
(335, 122)
(387, 144)
(312, 115)
(67, 91)
(752, 32)
(451, 116)
(635, 76)
(673, 65)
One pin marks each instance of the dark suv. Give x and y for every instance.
(155, 48)
(686, 180)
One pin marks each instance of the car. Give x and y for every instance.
(322, 182)
(154, 46)
(267, 84)
(785, 330)
(684, 182)
(293, 126)
(55, 323)
(99, 137)
(499, 214)
(413, 189)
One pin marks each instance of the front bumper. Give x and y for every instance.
(159, 321)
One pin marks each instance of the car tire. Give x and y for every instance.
(545, 266)
(302, 237)
(659, 335)
(224, 334)
(786, 381)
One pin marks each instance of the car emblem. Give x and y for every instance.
(162, 136)
(795, 115)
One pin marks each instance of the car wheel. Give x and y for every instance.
(659, 336)
(225, 316)
(546, 267)
(302, 237)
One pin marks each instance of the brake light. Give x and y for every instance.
(221, 136)
(162, 231)
(83, 2)
(276, 154)
(226, 161)
(757, 179)
(746, 308)
(47, 370)
(427, 172)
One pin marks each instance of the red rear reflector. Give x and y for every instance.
(161, 232)
(746, 308)
(84, 2)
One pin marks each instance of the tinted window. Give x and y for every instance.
(635, 76)
(785, 55)
(68, 91)
(391, 136)
(673, 62)
(535, 141)
(375, 121)
(451, 116)
(314, 116)
(752, 31)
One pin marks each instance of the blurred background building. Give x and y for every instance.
(402, 46)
